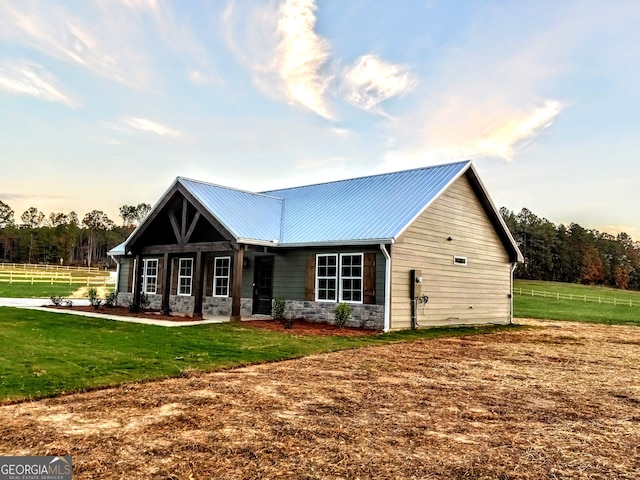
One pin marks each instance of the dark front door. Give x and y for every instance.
(263, 285)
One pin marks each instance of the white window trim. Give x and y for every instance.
(338, 277)
(145, 277)
(324, 300)
(361, 278)
(460, 261)
(216, 277)
(180, 277)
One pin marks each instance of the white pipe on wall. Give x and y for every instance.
(387, 289)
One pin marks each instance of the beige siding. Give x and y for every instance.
(478, 292)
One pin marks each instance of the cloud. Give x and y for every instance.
(30, 79)
(370, 81)
(483, 130)
(116, 39)
(100, 46)
(301, 55)
(279, 44)
(497, 136)
(138, 124)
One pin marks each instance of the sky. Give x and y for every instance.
(103, 103)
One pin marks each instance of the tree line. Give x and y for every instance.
(561, 253)
(61, 238)
(573, 253)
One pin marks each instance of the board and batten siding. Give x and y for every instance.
(475, 293)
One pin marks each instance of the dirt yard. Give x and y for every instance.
(557, 402)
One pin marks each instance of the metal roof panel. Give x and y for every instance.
(374, 207)
(244, 214)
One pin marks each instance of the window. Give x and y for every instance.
(185, 270)
(351, 277)
(459, 260)
(339, 277)
(221, 271)
(326, 277)
(149, 275)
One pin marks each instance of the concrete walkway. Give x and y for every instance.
(39, 304)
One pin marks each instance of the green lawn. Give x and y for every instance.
(37, 290)
(526, 306)
(44, 354)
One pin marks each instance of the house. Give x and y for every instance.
(414, 248)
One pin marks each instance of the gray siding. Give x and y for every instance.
(291, 266)
(473, 294)
(123, 276)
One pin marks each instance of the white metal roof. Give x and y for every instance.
(370, 209)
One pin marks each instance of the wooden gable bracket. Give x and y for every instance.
(182, 233)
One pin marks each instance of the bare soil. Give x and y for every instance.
(556, 402)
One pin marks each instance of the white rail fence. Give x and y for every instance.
(582, 298)
(42, 267)
(54, 274)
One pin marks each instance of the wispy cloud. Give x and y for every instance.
(278, 42)
(496, 135)
(139, 124)
(370, 81)
(100, 46)
(27, 78)
(482, 130)
(111, 38)
(301, 55)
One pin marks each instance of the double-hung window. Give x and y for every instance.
(149, 275)
(221, 273)
(339, 277)
(185, 274)
(326, 277)
(351, 277)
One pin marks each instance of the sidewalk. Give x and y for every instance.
(39, 304)
(36, 302)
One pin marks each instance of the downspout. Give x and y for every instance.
(387, 289)
(514, 265)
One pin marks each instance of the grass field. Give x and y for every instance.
(557, 401)
(526, 306)
(44, 354)
(40, 290)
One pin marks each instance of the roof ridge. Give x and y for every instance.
(226, 187)
(366, 176)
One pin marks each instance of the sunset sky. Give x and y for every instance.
(104, 102)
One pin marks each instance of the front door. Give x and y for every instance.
(263, 285)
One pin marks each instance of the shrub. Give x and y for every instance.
(342, 312)
(112, 299)
(57, 301)
(278, 307)
(278, 311)
(68, 303)
(143, 303)
(92, 294)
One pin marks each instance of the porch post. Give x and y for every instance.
(166, 283)
(198, 285)
(137, 280)
(236, 289)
